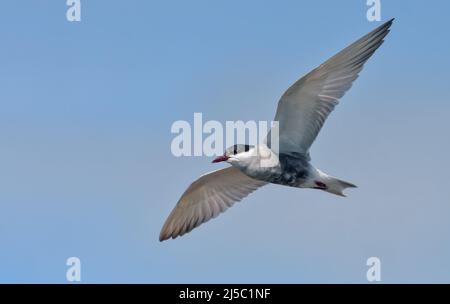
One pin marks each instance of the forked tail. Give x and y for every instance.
(337, 186)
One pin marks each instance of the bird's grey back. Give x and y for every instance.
(295, 168)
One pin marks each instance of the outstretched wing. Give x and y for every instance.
(207, 197)
(303, 108)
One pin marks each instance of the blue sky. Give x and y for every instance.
(86, 167)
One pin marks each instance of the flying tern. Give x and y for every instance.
(301, 112)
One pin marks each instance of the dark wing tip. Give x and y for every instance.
(165, 234)
(382, 28)
(162, 238)
(387, 24)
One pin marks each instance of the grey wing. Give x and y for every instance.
(304, 107)
(207, 197)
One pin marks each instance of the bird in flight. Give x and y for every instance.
(301, 112)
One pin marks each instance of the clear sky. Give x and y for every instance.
(85, 162)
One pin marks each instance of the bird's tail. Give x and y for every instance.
(337, 186)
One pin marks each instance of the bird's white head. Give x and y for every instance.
(235, 154)
(248, 157)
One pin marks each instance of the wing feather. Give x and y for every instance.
(304, 107)
(207, 197)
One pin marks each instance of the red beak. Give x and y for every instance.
(219, 159)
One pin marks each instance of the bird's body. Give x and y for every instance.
(287, 169)
(283, 169)
(301, 113)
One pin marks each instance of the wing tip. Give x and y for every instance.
(167, 231)
(162, 239)
(165, 234)
(383, 29)
(388, 24)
